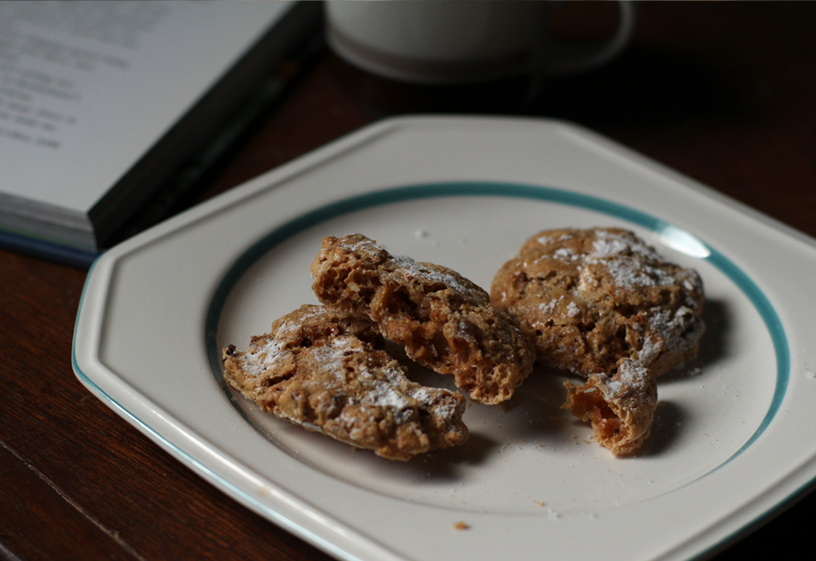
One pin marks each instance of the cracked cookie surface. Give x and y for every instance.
(588, 298)
(322, 368)
(444, 321)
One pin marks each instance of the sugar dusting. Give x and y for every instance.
(633, 374)
(413, 268)
(632, 379)
(417, 270)
(566, 254)
(633, 264)
(384, 395)
(629, 261)
(262, 357)
(548, 307)
(386, 387)
(609, 244)
(681, 329)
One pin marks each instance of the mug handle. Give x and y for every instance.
(559, 58)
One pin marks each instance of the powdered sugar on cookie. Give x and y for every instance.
(321, 368)
(603, 304)
(588, 298)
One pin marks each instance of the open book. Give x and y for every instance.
(102, 101)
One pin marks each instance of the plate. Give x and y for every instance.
(733, 433)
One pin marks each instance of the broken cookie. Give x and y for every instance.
(444, 321)
(620, 407)
(322, 368)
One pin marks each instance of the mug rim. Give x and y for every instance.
(423, 70)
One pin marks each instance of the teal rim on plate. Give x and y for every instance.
(673, 236)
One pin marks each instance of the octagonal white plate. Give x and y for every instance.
(733, 436)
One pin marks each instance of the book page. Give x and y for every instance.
(87, 87)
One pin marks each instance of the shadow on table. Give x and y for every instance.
(642, 86)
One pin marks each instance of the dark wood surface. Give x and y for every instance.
(722, 92)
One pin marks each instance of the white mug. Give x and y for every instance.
(460, 41)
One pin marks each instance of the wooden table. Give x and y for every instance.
(724, 93)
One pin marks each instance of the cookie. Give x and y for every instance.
(620, 408)
(321, 368)
(587, 298)
(444, 321)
